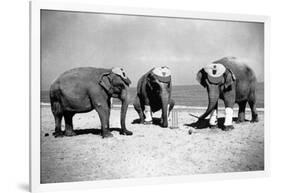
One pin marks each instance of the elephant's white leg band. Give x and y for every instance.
(147, 113)
(213, 118)
(228, 116)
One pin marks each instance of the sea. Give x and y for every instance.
(184, 95)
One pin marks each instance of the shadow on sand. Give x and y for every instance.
(87, 131)
(204, 124)
(155, 121)
(93, 131)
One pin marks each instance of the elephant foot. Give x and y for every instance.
(107, 134)
(228, 128)
(255, 119)
(240, 120)
(163, 123)
(126, 132)
(213, 126)
(147, 122)
(69, 133)
(58, 134)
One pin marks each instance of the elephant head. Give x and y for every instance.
(116, 84)
(159, 82)
(217, 79)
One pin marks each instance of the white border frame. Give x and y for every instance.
(34, 145)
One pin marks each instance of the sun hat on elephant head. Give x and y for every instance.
(120, 72)
(163, 74)
(215, 72)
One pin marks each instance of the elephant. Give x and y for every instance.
(153, 94)
(233, 81)
(83, 89)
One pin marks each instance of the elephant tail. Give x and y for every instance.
(55, 100)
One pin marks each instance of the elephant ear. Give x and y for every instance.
(229, 79)
(105, 82)
(149, 80)
(201, 77)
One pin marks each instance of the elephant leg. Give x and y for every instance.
(162, 119)
(171, 106)
(241, 112)
(57, 112)
(229, 102)
(147, 110)
(58, 132)
(68, 124)
(213, 121)
(137, 106)
(147, 114)
(252, 103)
(228, 119)
(104, 112)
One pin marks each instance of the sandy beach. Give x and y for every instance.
(152, 151)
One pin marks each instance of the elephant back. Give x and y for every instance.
(238, 67)
(78, 79)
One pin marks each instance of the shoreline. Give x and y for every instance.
(176, 107)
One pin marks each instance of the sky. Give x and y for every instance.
(139, 43)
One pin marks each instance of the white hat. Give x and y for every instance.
(120, 72)
(163, 71)
(163, 74)
(214, 70)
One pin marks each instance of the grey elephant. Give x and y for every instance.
(81, 90)
(232, 81)
(153, 94)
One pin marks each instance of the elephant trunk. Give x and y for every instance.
(164, 101)
(213, 98)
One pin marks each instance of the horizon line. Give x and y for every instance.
(173, 85)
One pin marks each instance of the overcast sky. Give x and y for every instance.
(138, 43)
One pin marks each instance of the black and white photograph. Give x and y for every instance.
(126, 96)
